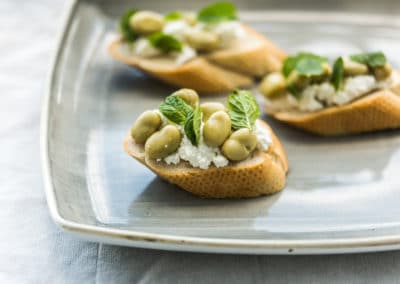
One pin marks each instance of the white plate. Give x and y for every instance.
(342, 194)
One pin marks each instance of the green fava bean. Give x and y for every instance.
(202, 40)
(209, 108)
(273, 85)
(353, 68)
(234, 151)
(217, 128)
(383, 72)
(239, 145)
(146, 22)
(188, 95)
(298, 81)
(190, 18)
(146, 124)
(246, 137)
(163, 142)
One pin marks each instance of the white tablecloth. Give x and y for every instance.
(34, 250)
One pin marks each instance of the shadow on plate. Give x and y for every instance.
(164, 196)
(317, 162)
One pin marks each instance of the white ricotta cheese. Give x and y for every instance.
(172, 159)
(308, 101)
(228, 32)
(325, 92)
(263, 136)
(143, 48)
(201, 156)
(354, 87)
(185, 55)
(177, 29)
(220, 161)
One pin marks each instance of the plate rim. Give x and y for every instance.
(185, 243)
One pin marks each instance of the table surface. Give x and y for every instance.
(34, 250)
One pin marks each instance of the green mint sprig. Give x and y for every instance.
(371, 59)
(307, 64)
(192, 126)
(126, 31)
(217, 12)
(243, 109)
(338, 74)
(166, 43)
(175, 109)
(173, 16)
(179, 112)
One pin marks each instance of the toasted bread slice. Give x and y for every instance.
(220, 71)
(375, 111)
(263, 173)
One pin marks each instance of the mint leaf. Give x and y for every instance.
(173, 16)
(371, 59)
(124, 27)
(166, 43)
(288, 65)
(307, 64)
(242, 109)
(377, 59)
(296, 92)
(192, 126)
(338, 74)
(218, 12)
(309, 67)
(175, 109)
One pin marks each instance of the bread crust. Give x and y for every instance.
(376, 111)
(264, 173)
(219, 71)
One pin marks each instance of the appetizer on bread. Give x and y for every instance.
(360, 93)
(209, 149)
(211, 51)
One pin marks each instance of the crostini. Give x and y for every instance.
(211, 51)
(210, 150)
(359, 93)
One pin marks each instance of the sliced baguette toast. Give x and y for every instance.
(376, 111)
(215, 72)
(263, 173)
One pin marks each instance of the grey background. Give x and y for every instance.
(33, 250)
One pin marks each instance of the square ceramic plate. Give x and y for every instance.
(342, 194)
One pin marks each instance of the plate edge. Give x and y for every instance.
(168, 242)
